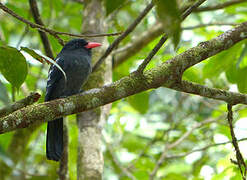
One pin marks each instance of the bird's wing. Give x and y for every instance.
(54, 78)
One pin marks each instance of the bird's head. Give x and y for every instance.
(75, 44)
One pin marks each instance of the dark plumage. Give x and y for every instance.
(75, 60)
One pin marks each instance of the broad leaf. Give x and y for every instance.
(193, 74)
(242, 55)
(232, 74)
(169, 15)
(13, 65)
(242, 81)
(140, 102)
(133, 143)
(237, 76)
(221, 62)
(111, 5)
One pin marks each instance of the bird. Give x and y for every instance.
(75, 60)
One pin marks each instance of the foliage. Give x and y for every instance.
(13, 65)
(142, 126)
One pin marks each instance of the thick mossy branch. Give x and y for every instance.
(167, 74)
(32, 98)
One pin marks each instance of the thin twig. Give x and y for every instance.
(122, 54)
(219, 6)
(164, 134)
(202, 149)
(116, 161)
(152, 53)
(240, 159)
(26, 30)
(32, 25)
(38, 20)
(165, 37)
(89, 35)
(209, 24)
(149, 144)
(153, 78)
(176, 143)
(43, 36)
(113, 14)
(51, 31)
(192, 8)
(32, 98)
(123, 35)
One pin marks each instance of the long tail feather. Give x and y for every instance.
(54, 139)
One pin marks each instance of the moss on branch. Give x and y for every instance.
(167, 74)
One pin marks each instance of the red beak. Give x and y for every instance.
(92, 45)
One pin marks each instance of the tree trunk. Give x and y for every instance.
(90, 123)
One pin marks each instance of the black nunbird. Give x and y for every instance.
(75, 60)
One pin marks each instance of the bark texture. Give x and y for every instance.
(167, 74)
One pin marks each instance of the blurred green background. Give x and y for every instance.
(185, 130)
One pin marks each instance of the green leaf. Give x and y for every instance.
(175, 176)
(140, 174)
(144, 163)
(21, 11)
(238, 76)
(13, 65)
(194, 75)
(178, 167)
(232, 74)
(139, 102)
(133, 143)
(221, 62)
(169, 15)
(242, 81)
(242, 113)
(224, 130)
(197, 166)
(35, 55)
(43, 59)
(111, 5)
(242, 55)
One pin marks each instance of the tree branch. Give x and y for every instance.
(202, 149)
(51, 31)
(192, 8)
(90, 162)
(219, 6)
(125, 33)
(122, 54)
(143, 65)
(167, 74)
(217, 94)
(239, 156)
(38, 20)
(137, 44)
(114, 158)
(176, 143)
(32, 98)
(209, 24)
(165, 37)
